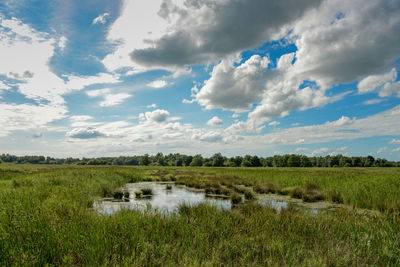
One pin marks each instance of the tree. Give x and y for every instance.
(305, 161)
(145, 160)
(197, 161)
(293, 161)
(255, 161)
(218, 160)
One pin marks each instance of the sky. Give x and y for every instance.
(263, 77)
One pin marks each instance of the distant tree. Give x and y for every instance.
(217, 160)
(197, 161)
(246, 163)
(145, 160)
(293, 161)
(305, 161)
(255, 161)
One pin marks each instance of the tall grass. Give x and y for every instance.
(47, 219)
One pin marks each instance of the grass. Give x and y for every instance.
(147, 191)
(46, 219)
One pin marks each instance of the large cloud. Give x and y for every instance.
(344, 41)
(207, 30)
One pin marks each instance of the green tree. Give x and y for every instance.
(145, 160)
(218, 160)
(197, 161)
(293, 161)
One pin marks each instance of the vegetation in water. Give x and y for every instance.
(46, 218)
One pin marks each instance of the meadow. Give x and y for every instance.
(47, 218)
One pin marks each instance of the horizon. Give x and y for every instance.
(118, 78)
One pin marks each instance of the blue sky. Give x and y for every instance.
(124, 77)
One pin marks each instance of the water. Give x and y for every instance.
(162, 199)
(166, 201)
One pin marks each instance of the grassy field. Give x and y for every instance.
(46, 218)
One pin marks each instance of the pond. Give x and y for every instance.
(169, 200)
(162, 199)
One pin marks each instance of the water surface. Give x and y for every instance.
(162, 199)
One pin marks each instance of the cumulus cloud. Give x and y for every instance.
(157, 84)
(215, 121)
(207, 30)
(84, 133)
(158, 115)
(208, 136)
(372, 82)
(335, 45)
(234, 88)
(101, 19)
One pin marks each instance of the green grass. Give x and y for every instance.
(46, 218)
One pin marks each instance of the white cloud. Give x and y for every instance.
(396, 149)
(320, 151)
(373, 101)
(62, 42)
(380, 124)
(98, 93)
(372, 82)
(27, 117)
(208, 136)
(215, 121)
(235, 88)
(158, 115)
(109, 98)
(301, 149)
(84, 133)
(343, 121)
(274, 123)
(113, 99)
(101, 19)
(395, 142)
(205, 31)
(81, 118)
(152, 106)
(381, 150)
(157, 84)
(390, 89)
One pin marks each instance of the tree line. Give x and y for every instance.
(217, 160)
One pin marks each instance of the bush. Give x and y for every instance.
(248, 195)
(236, 199)
(147, 191)
(118, 195)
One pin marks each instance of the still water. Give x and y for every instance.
(163, 199)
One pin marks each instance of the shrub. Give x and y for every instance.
(236, 199)
(118, 195)
(248, 195)
(296, 192)
(147, 191)
(169, 187)
(138, 193)
(336, 197)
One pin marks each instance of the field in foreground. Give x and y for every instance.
(46, 217)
